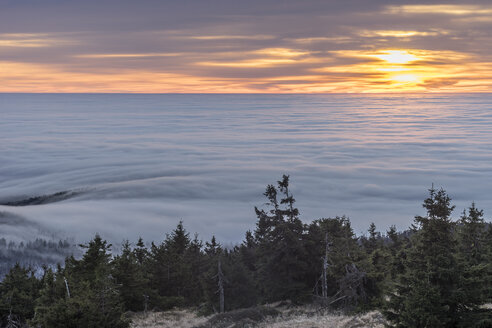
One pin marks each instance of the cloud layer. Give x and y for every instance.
(140, 163)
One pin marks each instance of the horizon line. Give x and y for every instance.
(249, 93)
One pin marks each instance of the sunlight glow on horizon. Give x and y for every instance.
(438, 47)
(405, 78)
(392, 71)
(396, 56)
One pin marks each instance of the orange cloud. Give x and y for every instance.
(400, 33)
(260, 47)
(31, 40)
(443, 9)
(412, 71)
(134, 55)
(230, 37)
(386, 70)
(20, 77)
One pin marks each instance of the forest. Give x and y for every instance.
(438, 273)
(36, 254)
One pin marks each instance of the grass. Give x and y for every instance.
(371, 320)
(272, 316)
(167, 319)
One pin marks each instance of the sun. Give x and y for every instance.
(396, 56)
(399, 67)
(405, 78)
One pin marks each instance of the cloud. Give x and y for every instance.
(18, 228)
(438, 83)
(232, 37)
(146, 161)
(32, 40)
(441, 9)
(136, 55)
(398, 33)
(232, 47)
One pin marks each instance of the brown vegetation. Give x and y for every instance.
(259, 317)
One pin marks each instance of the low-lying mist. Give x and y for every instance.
(134, 165)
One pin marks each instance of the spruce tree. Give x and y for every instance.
(18, 292)
(85, 293)
(171, 271)
(281, 251)
(476, 267)
(428, 293)
(131, 279)
(213, 254)
(347, 264)
(240, 289)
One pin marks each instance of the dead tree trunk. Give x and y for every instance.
(146, 303)
(220, 275)
(66, 285)
(352, 285)
(324, 287)
(12, 321)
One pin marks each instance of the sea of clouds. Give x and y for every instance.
(140, 163)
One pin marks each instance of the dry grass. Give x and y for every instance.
(371, 320)
(167, 319)
(290, 317)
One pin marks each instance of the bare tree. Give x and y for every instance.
(66, 285)
(323, 279)
(325, 268)
(220, 277)
(352, 285)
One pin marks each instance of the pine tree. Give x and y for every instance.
(171, 272)
(347, 271)
(18, 292)
(141, 253)
(373, 241)
(51, 291)
(281, 251)
(130, 279)
(472, 235)
(213, 254)
(488, 259)
(85, 292)
(472, 257)
(240, 289)
(429, 293)
(194, 258)
(377, 265)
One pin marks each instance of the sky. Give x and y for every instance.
(255, 46)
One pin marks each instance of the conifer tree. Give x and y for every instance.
(131, 279)
(396, 247)
(141, 253)
(373, 241)
(429, 293)
(472, 258)
(213, 254)
(377, 266)
(91, 298)
(51, 291)
(194, 258)
(240, 288)
(18, 292)
(346, 274)
(281, 250)
(171, 271)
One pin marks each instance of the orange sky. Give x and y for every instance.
(292, 48)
